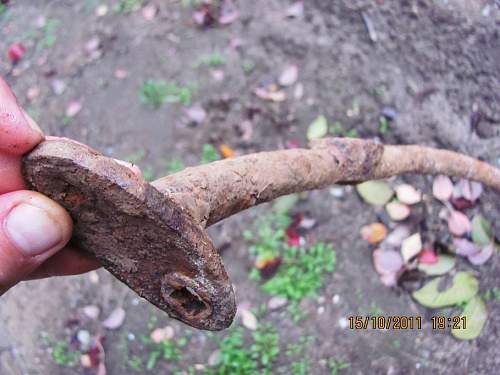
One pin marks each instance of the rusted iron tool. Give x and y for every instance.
(152, 236)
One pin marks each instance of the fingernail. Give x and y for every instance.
(33, 125)
(32, 230)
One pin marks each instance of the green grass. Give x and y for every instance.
(169, 350)
(3, 9)
(300, 366)
(175, 165)
(383, 125)
(61, 354)
(269, 239)
(336, 366)
(127, 6)
(154, 93)
(302, 272)
(256, 358)
(338, 130)
(49, 37)
(136, 156)
(248, 66)
(211, 59)
(492, 294)
(209, 154)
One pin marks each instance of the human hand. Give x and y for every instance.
(34, 230)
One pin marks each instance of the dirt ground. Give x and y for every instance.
(436, 62)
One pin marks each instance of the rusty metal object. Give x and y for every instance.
(141, 236)
(152, 237)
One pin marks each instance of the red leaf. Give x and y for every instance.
(16, 52)
(428, 256)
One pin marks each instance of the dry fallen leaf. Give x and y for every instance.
(411, 247)
(482, 256)
(115, 319)
(397, 211)
(289, 75)
(73, 108)
(226, 151)
(408, 194)
(458, 223)
(162, 334)
(374, 233)
(272, 95)
(442, 188)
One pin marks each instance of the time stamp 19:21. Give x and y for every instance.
(405, 322)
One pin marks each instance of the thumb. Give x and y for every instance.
(32, 229)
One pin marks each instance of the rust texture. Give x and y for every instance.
(151, 236)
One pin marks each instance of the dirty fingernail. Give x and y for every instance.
(32, 230)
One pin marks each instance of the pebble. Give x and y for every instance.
(336, 299)
(343, 323)
(214, 358)
(83, 337)
(337, 192)
(130, 336)
(321, 310)
(276, 302)
(91, 311)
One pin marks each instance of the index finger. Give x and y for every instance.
(18, 134)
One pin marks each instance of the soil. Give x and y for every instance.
(435, 62)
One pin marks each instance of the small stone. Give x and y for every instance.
(321, 310)
(58, 86)
(199, 367)
(276, 303)
(94, 277)
(130, 336)
(135, 301)
(121, 73)
(162, 334)
(336, 299)
(214, 358)
(33, 93)
(343, 323)
(91, 311)
(83, 337)
(86, 361)
(101, 10)
(337, 192)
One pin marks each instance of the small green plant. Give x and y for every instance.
(212, 59)
(302, 272)
(268, 241)
(61, 354)
(3, 9)
(136, 156)
(234, 357)
(49, 33)
(265, 348)
(148, 173)
(169, 350)
(175, 165)
(492, 294)
(301, 367)
(248, 66)
(335, 366)
(127, 6)
(209, 154)
(135, 363)
(256, 358)
(338, 130)
(383, 125)
(154, 93)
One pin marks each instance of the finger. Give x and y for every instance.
(32, 229)
(10, 173)
(18, 133)
(68, 261)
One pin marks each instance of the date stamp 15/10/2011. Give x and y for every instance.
(398, 322)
